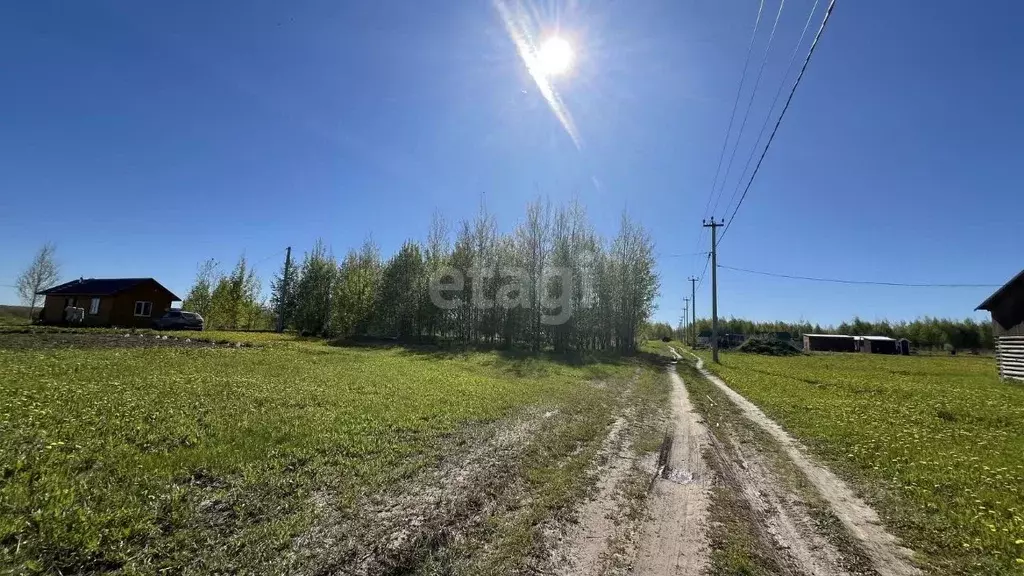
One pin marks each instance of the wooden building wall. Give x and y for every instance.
(1010, 353)
(829, 344)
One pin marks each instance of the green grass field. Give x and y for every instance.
(936, 444)
(14, 315)
(219, 336)
(206, 460)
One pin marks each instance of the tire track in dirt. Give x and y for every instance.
(675, 541)
(586, 551)
(781, 516)
(887, 556)
(395, 531)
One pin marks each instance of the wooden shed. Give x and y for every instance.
(1007, 309)
(877, 344)
(829, 343)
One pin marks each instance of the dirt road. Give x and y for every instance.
(674, 541)
(729, 491)
(887, 557)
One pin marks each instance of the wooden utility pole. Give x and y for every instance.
(686, 318)
(714, 285)
(281, 306)
(693, 311)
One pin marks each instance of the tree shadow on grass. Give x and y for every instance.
(519, 361)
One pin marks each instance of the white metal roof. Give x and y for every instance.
(875, 338)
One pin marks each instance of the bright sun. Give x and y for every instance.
(555, 56)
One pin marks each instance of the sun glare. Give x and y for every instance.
(555, 56)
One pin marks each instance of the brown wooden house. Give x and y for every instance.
(128, 302)
(1007, 308)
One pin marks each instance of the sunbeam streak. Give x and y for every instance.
(553, 57)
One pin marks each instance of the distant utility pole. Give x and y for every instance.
(714, 285)
(686, 318)
(282, 306)
(693, 311)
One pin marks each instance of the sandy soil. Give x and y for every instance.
(674, 541)
(395, 531)
(887, 556)
(586, 550)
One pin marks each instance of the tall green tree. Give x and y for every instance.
(313, 291)
(200, 296)
(282, 293)
(401, 292)
(356, 291)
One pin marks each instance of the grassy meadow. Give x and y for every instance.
(208, 460)
(14, 315)
(935, 443)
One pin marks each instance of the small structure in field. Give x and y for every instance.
(846, 343)
(877, 345)
(1007, 308)
(129, 302)
(904, 346)
(829, 343)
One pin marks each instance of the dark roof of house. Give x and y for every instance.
(100, 287)
(1017, 282)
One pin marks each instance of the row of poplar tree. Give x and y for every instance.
(230, 301)
(609, 287)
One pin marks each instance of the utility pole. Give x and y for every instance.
(281, 306)
(693, 311)
(686, 317)
(714, 285)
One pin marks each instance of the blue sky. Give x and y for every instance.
(144, 138)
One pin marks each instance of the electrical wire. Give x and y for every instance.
(775, 100)
(732, 118)
(735, 106)
(706, 263)
(750, 104)
(859, 282)
(789, 100)
(685, 255)
(262, 260)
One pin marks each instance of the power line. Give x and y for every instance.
(775, 100)
(735, 105)
(803, 69)
(684, 255)
(868, 282)
(732, 116)
(750, 104)
(705, 271)
(262, 260)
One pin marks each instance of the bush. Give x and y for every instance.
(768, 347)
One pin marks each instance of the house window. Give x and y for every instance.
(94, 306)
(143, 308)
